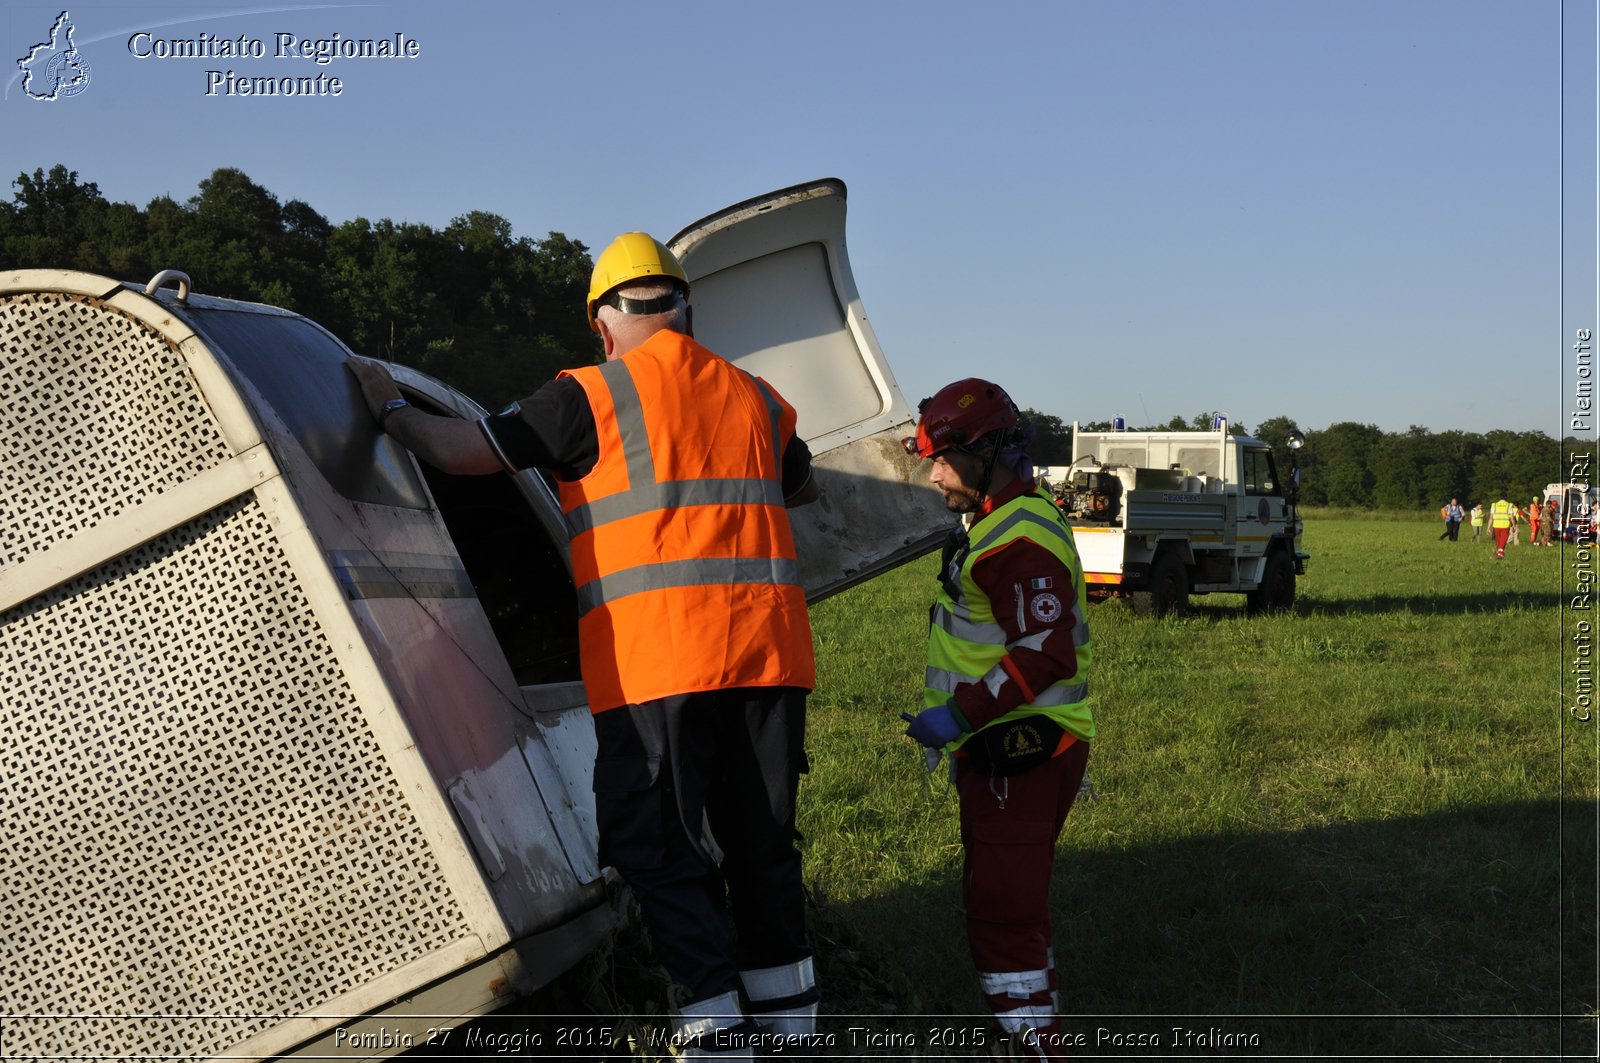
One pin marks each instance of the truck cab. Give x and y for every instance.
(1159, 516)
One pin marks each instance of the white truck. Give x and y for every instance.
(1159, 516)
(294, 755)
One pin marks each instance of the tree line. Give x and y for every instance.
(495, 315)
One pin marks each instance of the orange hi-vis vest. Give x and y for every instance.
(682, 553)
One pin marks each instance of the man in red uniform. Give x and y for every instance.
(1006, 694)
(674, 469)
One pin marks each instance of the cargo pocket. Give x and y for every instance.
(628, 807)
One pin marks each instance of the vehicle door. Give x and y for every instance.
(773, 292)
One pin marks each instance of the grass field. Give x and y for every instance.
(1363, 828)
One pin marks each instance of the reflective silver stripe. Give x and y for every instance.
(995, 680)
(1013, 983)
(1061, 694)
(775, 416)
(1030, 642)
(945, 682)
(645, 493)
(993, 634)
(967, 630)
(953, 623)
(629, 412)
(1033, 1016)
(721, 1012)
(364, 574)
(1021, 516)
(673, 494)
(694, 572)
(770, 983)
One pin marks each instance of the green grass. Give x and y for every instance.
(1364, 828)
(1374, 806)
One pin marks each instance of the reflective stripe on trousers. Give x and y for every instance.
(721, 1012)
(1032, 1016)
(783, 999)
(1019, 984)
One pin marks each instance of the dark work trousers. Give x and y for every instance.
(732, 758)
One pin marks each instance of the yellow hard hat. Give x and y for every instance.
(627, 258)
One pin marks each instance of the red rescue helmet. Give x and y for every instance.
(960, 415)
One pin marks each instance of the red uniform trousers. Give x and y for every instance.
(1009, 827)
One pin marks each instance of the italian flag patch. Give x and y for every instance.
(1041, 584)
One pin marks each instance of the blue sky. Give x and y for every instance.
(1327, 209)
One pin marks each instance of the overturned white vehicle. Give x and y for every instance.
(292, 738)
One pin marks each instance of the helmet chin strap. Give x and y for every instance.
(989, 465)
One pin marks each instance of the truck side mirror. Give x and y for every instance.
(1295, 440)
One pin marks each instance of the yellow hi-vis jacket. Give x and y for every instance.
(1502, 514)
(964, 640)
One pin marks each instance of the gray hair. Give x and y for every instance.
(677, 319)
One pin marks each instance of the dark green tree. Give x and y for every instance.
(54, 221)
(1052, 438)
(1336, 463)
(1444, 466)
(384, 303)
(1397, 469)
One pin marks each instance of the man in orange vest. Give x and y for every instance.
(675, 468)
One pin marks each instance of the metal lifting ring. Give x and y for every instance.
(170, 275)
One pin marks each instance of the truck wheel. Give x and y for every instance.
(1276, 593)
(1168, 593)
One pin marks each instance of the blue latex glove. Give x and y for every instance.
(936, 727)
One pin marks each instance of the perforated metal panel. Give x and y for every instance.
(201, 832)
(98, 413)
(197, 818)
